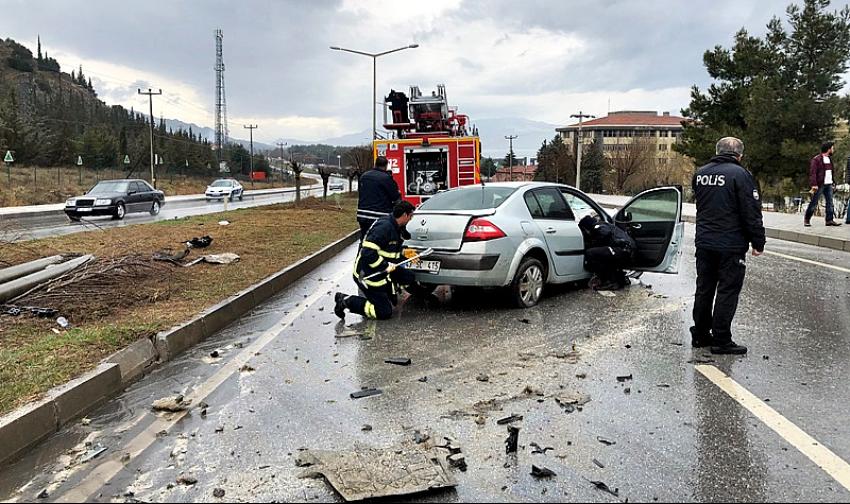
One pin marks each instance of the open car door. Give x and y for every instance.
(654, 219)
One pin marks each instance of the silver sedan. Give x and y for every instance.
(524, 235)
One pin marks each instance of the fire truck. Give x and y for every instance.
(432, 149)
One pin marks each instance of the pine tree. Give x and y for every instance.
(39, 48)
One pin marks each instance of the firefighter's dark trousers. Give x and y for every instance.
(606, 262)
(377, 302)
(720, 277)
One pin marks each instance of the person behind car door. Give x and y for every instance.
(379, 254)
(608, 251)
(377, 193)
(728, 222)
(821, 178)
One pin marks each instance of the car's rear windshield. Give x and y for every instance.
(110, 187)
(471, 198)
(221, 183)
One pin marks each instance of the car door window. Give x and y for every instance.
(533, 206)
(135, 187)
(657, 206)
(578, 205)
(552, 205)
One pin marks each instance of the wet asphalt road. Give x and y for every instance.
(42, 226)
(678, 436)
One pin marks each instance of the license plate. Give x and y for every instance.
(432, 267)
(84, 209)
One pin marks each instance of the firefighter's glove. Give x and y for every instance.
(391, 267)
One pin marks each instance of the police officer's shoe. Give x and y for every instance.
(339, 308)
(833, 223)
(730, 348)
(807, 223)
(700, 342)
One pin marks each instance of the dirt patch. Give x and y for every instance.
(139, 296)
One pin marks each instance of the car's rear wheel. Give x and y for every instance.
(155, 208)
(527, 287)
(120, 212)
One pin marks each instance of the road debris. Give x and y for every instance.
(424, 379)
(219, 493)
(224, 223)
(398, 361)
(525, 321)
(606, 442)
(366, 392)
(366, 428)
(598, 464)
(350, 334)
(457, 461)
(575, 399)
(247, 369)
(226, 258)
(663, 385)
(93, 453)
(369, 474)
(480, 420)
(171, 404)
(512, 442)
(482, 378)
(420, 437)
(509, 419)
(602, 486)
(202, 242)
(187, 480)
(701, 360)
(63, 322)
(624, 378)
(538, 450)
(608, 294)
(542, 472)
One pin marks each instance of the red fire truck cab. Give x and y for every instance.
(433, 148)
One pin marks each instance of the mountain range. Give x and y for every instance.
(530, 134)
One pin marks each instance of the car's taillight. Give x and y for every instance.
(482, 230)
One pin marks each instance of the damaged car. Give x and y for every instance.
(524, 235)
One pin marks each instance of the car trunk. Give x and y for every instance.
(442, 231)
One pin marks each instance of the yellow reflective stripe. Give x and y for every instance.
(389, 255)
(377, 263)
(370, 310)
(375, 283)
(370, 245)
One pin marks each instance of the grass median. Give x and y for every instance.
(136, 297)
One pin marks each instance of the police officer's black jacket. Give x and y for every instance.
(381, 246)
(728, 207)
(377, 193)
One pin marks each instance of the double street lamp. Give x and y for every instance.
(374, 57)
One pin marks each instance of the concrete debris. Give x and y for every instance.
(366, 392)
(509, 419)
(398, 361)
(542, 472)
(512, 442)
(171, 404)
(187, 480)
(369, 474)
(572, 399)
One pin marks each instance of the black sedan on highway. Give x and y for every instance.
(116, 198)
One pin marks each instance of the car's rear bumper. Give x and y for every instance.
(484, 269)
(97, 211)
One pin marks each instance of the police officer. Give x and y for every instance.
(377, 192)
(609, 250)
(728, 222)
(379, 253)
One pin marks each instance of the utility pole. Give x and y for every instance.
(580, 141)
(252, 128)
(281, 145)
(150, 94)
(510, 138)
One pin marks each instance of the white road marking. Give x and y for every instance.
(822, 456)
(807, 261)
(107, 470)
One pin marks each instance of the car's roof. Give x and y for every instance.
(517, 185)
(122, 180)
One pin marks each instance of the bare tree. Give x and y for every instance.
(628, 159)
(297, 169)
(360, 161)
(325, 172)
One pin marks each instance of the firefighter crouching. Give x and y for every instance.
(379, 254)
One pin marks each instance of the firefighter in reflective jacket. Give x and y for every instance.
(379, 253)
(377, 193)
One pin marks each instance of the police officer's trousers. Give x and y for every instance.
(720, 277)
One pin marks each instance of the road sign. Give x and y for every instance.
(126, 159)
(79, 160)
(8, 158)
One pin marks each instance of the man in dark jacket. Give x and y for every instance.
(608, 251)
(821, 178)
(379, 254)
(377, 193)
(728, 222)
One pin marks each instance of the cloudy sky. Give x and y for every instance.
(539, 60)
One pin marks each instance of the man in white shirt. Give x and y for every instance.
(821, 179)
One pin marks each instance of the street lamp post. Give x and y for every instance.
(580, 116)
(375, 57)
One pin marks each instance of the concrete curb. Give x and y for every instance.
(785, 235)
(27, 426)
